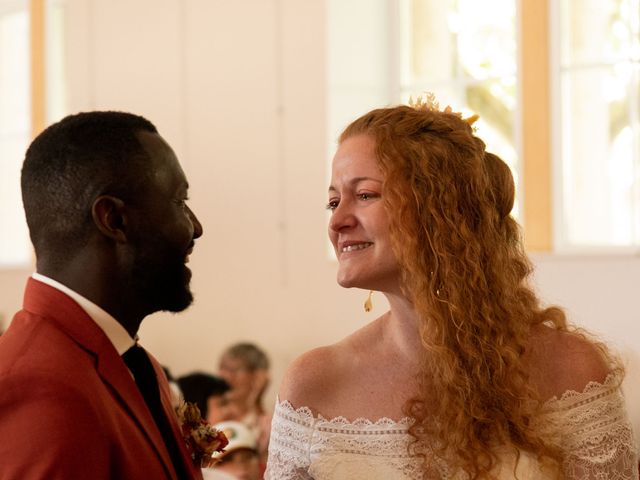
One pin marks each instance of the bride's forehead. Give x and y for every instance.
(363, 144)
(355, 157)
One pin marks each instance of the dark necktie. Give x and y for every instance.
(144, 374)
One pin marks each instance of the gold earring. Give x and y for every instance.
(368, 304)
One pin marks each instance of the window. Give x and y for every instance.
(21, 114)
(598, 124)
(382, 52)
(15, 129)
(469, 54)
(465, 52)
(360, 50)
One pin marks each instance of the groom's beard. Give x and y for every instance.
(160, 278)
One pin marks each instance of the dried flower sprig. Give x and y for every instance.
(425, 102)
(202, 439)
(429, 102)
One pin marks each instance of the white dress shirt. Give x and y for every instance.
(115, 332)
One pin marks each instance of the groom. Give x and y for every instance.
(105, 202)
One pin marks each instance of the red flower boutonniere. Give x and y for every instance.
(201, 438)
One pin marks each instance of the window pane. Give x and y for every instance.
(358, 61)
(55, 74)
(15, 248)
(600, 124)
(595, 31)
(465, 52)
(598, 167)
(459, 39)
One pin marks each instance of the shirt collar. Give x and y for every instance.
(115, 332)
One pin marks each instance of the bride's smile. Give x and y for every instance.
(359, 225)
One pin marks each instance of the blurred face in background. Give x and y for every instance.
(239, 376)
(220, 408)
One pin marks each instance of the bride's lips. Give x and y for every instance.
(353, 246)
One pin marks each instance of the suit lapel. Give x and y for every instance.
(53, 305)
(165, 397)
(115, 373)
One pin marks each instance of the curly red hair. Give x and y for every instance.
(465, 270)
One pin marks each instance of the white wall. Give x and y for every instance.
(238, 88)
(600, 293)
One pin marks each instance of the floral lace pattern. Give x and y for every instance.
(590, 426)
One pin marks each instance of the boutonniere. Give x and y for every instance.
(202, 439)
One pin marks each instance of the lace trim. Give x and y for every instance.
(591, 427)
(566, 400)
(305, 446)
(359, 423)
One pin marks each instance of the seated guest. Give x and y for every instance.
(246, 367)
(105, 202)
(239, 460)
(209, 393)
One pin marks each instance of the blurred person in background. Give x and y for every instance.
(209, 393)
(245, 366)
(240, 460)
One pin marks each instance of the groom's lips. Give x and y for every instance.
(189, 252)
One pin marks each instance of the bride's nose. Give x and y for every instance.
(342, 217)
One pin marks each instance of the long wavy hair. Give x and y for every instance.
(465, 270)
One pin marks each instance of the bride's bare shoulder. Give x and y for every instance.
(318, 374)
(310, 376)
(563, 361)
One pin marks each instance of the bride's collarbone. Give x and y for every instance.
(362, 404)
(371, 394)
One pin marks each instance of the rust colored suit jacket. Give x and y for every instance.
(69, 407)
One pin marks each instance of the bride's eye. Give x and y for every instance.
(367, 195)
(332, 205)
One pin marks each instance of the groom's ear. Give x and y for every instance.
(110, 217)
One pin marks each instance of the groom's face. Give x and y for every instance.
(164, 232)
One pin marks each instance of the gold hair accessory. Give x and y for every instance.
(426, 102)
(368, 304)
(472, 119)
(429, 102)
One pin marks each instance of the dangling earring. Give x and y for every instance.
(368, 304)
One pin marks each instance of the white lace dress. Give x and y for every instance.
(590, 426)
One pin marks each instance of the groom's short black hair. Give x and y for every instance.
(71, 163)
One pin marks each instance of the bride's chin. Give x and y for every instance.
(351, 282)
(346, 282)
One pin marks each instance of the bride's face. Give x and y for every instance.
(359, 225)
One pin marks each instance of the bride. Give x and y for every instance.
(466, 376)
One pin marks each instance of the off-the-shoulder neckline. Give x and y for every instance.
(611, 380)
(306, 412)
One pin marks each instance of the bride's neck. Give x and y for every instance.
(401, 326)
